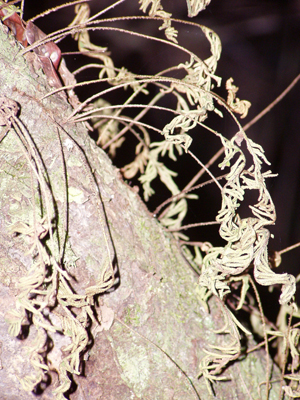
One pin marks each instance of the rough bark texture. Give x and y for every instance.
(160, 330)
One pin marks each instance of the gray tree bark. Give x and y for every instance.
(153, 330)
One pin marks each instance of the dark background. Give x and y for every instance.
(261, 51)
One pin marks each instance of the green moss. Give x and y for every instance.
(133, 315)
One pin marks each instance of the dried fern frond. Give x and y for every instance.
(247, 238)
(195, 6)
(47, 281)
(218, 357)
(156, 10)
(236, 105)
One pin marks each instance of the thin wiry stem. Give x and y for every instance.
(86, 66)
(206, 169)
(92, 113)
(134, 331)
(184, 227)
(285, 353)
(192, 181)
(30, 153)
(273, 104)
(183, 192)
(121, 119)
(125, 104)
(87, 116)
(146, 108)
(62, 33)
(136, 118)
(50, 10)
(142, 79)
(265, 336)
(294, 246)
(105, 10)
(128, 127)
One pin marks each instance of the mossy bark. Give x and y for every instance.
(153, 346)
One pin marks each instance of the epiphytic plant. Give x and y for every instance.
(220, 268)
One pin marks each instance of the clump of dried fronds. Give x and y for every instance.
(246, 238)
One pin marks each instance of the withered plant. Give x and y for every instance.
(241, 265)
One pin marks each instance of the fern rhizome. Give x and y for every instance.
(237, 266)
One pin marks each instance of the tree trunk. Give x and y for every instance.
(67, 219)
